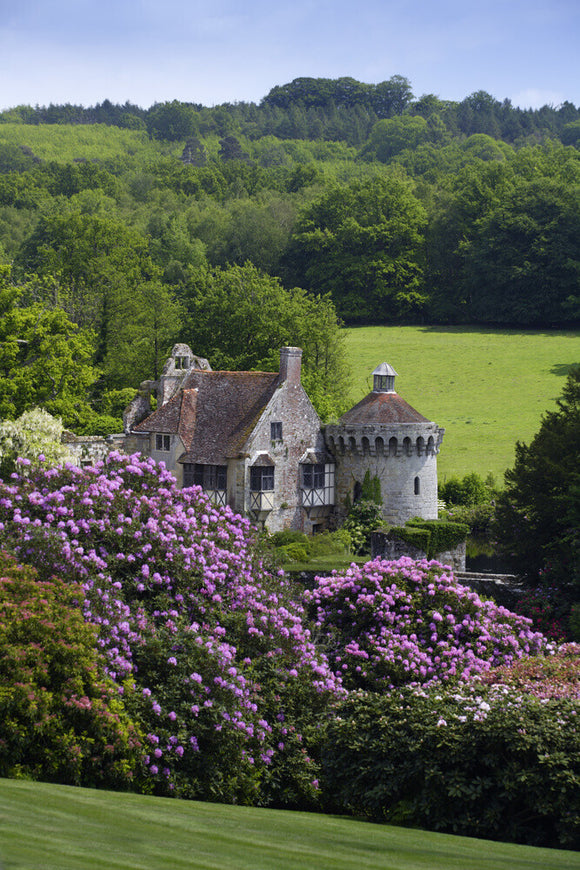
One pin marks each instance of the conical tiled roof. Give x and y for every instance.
(378, 409)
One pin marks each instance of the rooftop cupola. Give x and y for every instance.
(384, 379)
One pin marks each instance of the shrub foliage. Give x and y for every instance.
(227, 680)
(499, 761)
(61, 718)
(146, 645)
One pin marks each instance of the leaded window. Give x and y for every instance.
(163, 442)
(213, 479)
(262, 478)
(313, 476)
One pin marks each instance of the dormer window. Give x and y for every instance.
(162, 442)
(181, 362)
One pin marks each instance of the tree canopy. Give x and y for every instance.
(539, 511)
(362, 243)
(239, 317)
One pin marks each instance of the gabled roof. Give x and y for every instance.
(214, 413)
(381, 409)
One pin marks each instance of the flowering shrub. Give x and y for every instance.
(61, 718)
(554, 675)
(386, 624)
(227, 680)
(33, 438)
(547, 607)
(478, 760)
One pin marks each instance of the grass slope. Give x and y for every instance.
(66, 142)
(52, 827)
(487, 388)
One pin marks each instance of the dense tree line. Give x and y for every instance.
(313, 108)
(330, 201)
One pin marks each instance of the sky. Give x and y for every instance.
(149, 51)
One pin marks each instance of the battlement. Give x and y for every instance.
(401, 440)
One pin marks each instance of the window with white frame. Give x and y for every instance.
(261, 488)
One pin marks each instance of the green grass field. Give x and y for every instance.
(487, 388)
(51, 827)
(66, 142)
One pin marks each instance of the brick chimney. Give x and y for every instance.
(290, 364)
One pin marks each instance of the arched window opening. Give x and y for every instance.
(407, 447)
(393, 446)
(417, 486)
(379, 446)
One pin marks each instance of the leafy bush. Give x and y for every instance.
(493, 761)
(363, 518)
(416, 537)
(61, 718)
(289, 536)
(443, 535)
(389, 623)
(330, 543)
(228, 682)
(468, 491)
(478, 518)
(292, 546)
(548, 609)
(35, 437)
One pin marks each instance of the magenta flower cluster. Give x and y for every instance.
(207, 646)
(387, 624)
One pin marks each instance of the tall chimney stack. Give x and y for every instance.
(290, 364)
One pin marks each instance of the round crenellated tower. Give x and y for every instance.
(385, 436)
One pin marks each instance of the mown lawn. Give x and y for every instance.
(51, 827)
(487, 388)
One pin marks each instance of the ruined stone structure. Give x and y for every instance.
(253, 441)
(386, 436)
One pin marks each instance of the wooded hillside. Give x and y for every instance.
(330, 200)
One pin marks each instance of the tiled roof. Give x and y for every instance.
(214, 413)
(381, 408)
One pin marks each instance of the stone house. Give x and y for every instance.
(253, 441)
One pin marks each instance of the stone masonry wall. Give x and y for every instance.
(300, 432)
(403, 458)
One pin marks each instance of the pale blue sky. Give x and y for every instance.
(146, 51)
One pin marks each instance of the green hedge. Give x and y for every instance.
(477, 761)
(444, 535)
(417, 537)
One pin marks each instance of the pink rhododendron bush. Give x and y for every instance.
(496, 757)
(387, 624)
(208, 651)
(388, 690)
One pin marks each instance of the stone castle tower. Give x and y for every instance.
(385, 436)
